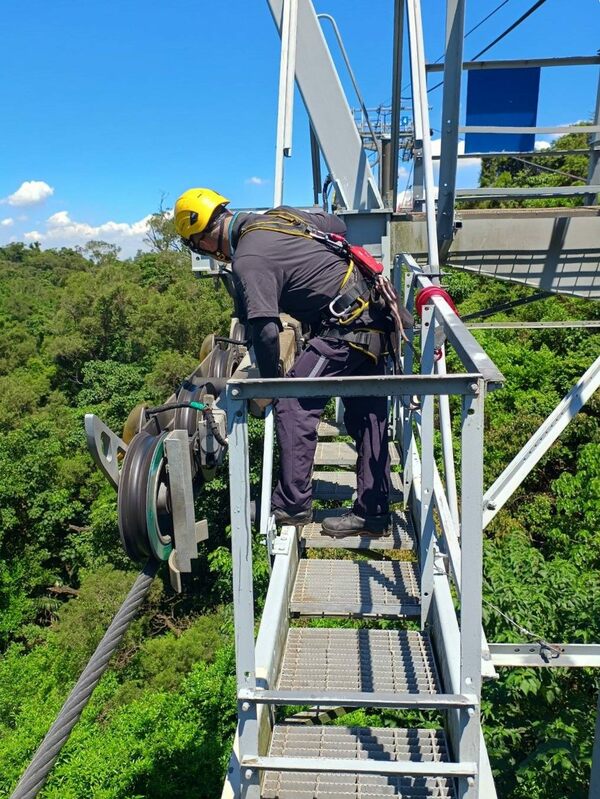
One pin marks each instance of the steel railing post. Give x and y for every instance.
(243, 594)
(447, 447)
(471, 570)
(427, 531)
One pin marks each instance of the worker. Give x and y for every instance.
(278, 267)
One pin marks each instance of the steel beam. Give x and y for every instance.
(522, 464)
(562, 129)
(512, 193)
(285, 109)
(531, 325)
(471, 570)
(331, 765)
(545, 655)
(455, 26)
(568, 61)
(384, 386)
(399, 9)
(550, 249)
(422, 127)
(548, 152)
(595, 776)
(336, 698)
(243, 594)
(426, 526)
(446, 640)
(594, 167)
(328, 110)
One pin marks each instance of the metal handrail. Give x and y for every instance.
(472, 355)
(353, 79)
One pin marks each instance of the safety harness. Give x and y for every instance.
(363, 284)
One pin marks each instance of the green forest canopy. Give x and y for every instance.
(82, 331)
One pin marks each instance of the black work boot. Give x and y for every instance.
(296, 519)
(351, 524)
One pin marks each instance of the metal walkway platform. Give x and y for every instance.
(401, 535)
(369, 588)
(375, 744)
(331, 429)
(358, 660)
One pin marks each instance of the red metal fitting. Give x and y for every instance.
(425, 295)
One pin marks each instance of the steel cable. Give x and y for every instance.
(35, 775)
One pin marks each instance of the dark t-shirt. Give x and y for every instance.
(279, 273)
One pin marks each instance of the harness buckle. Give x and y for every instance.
(339, 314)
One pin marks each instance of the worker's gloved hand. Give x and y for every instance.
(257, 407)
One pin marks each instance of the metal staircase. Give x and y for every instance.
(399, 645)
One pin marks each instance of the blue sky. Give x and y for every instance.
(109, 105)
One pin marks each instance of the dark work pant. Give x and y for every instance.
(365, 419)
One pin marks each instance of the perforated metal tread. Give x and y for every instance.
(331, 429)
(361, 743)
(401, 534)
(331, 659)
(356, 588)
(343, 453)
(341, 486)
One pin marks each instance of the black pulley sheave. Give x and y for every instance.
(133, 490)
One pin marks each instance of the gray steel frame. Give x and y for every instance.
(329, 112)
(399, 8)
(455, 24)
(542, 654)
(568, 61)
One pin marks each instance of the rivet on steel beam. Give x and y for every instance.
(246, 706)
(235, 392)
(474, 387)
(248, 773)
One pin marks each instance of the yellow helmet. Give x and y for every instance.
(194, 209)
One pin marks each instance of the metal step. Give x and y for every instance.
(331, 429)
(401, 536)
(340, 486)
(343, 453)
(361, 744)
(358, 660)
(366, 588)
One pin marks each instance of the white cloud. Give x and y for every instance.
(256, 181)
(7, 222)
(30, 192)
(62, 231)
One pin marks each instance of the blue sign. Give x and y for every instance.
(502, 98)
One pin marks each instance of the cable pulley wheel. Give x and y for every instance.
(137, 504)
(187, 418)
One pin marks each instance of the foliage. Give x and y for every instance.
(535, 170)
(81, 331)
